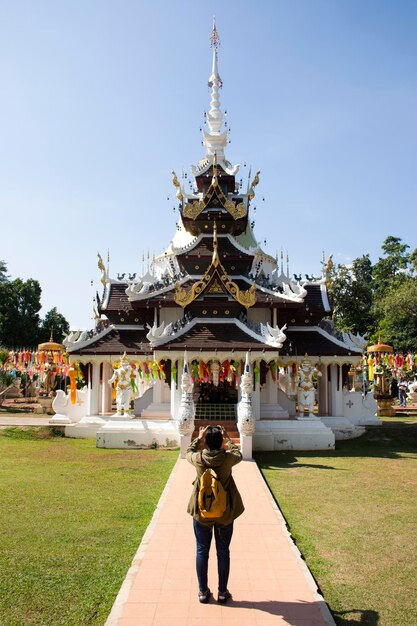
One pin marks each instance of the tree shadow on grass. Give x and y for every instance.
(286, 460)
(367, 617)
(383, 442)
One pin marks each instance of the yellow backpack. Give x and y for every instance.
(212, 498)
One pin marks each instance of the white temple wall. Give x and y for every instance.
(143, 402)
(269, 392)
(166, 392)
(158, 391)
(287, 403)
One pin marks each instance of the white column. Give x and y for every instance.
(336, 391)
(246, 447)
(106, 389)
(94, 389)
(176, 391)
(323, 391)
(256, 397)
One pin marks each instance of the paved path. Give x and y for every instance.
(269, 581)
(38, 420)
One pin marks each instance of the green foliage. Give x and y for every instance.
(20, 322)
(378, 301)
(20, 303)
(4, 355)
(54, 324)
(3, 274)
(390, 270)
(351, 292)
(399, 310)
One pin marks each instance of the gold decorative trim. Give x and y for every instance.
(193, 209)
(236, 210)
(214, 272)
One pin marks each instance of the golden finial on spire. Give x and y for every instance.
(214, 36)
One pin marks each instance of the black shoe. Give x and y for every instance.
(203, 596)
(224, 596)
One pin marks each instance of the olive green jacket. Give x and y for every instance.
(222, 462)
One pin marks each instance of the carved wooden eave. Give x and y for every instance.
(214, 196)
(215, 278)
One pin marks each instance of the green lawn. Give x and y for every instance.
(71, 519)
(353, 514)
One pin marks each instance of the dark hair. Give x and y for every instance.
(213, 438)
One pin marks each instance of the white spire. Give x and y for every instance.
(215, 140)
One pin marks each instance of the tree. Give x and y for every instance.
(54, 324)
(19, 312)
(20, 323)
(390, 270)
(3, 269)
(399, 315)
(351, 292)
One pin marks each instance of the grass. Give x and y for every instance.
(353, 514)
(71, 519)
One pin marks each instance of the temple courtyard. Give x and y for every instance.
(75, 516)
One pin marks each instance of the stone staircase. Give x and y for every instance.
(216, 413)
(229, 425)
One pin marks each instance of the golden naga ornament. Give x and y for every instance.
(253, 184)
(176, 184)
(102, 268)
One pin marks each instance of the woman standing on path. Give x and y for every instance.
(221, 461)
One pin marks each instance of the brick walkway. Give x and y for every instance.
(269, 581)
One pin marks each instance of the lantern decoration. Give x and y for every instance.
(382, 376)
(72, 373)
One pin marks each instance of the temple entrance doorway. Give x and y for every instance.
(215, 402)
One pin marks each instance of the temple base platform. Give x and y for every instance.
(313, 433)
(138, 433)
(292, 434)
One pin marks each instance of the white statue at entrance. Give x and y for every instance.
(306, 390)
(245, 421)
(186, 411)
(123, 388)
(215, 373)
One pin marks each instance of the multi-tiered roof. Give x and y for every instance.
(204, 290)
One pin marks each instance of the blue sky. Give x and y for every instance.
(102, 100)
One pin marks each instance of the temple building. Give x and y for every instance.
(215, 295)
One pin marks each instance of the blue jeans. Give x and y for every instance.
(223, 536)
